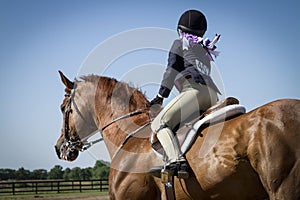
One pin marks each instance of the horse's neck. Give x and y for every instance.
(113, 100)
(85, 95)
(84, 109)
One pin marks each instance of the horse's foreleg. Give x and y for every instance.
(133, 186)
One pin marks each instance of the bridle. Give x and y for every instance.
(77, 144)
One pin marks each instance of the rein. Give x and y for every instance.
(82, 146)
(136, 112)
(87, 145)
(128, 137)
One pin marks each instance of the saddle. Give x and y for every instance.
(187, 132)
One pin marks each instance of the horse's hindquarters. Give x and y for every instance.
(274, 149)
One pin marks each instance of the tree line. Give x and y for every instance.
(99, 171)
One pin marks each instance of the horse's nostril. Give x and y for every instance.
(72, 155)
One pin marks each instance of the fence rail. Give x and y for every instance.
(46, 186)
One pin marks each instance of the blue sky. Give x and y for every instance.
(258, 61)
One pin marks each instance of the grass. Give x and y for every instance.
(56, 195)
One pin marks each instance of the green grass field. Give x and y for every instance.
(93, 195)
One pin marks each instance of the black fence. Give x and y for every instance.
(48, 186)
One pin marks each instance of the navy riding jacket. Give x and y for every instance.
(183, 62)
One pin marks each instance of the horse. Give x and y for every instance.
(256, 155)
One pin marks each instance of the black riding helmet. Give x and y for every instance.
(194, 22)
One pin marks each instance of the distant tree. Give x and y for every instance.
(86, 174)
(22, 174)
(75, 174)
(66, 175)
(100, 170)
(80, 174)
(7, 174)
(39, 174)
(56, 172)
(101, 163)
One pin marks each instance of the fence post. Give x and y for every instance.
(80, 185)
(100, 185)
(36, 187)
(57, 186)
(13, 188)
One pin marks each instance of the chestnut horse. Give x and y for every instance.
(256, 155)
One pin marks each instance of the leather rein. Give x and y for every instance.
(77, 144)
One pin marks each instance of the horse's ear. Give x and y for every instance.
(69, 84)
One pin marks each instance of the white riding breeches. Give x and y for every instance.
(194, 98)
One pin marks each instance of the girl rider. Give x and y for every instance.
(189, 70)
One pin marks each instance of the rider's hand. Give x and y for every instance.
(157, 100)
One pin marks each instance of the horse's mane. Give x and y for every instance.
(88, 78)
(113, 88)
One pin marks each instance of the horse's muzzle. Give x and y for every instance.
(64, 152)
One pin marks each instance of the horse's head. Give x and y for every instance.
(77, 123)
